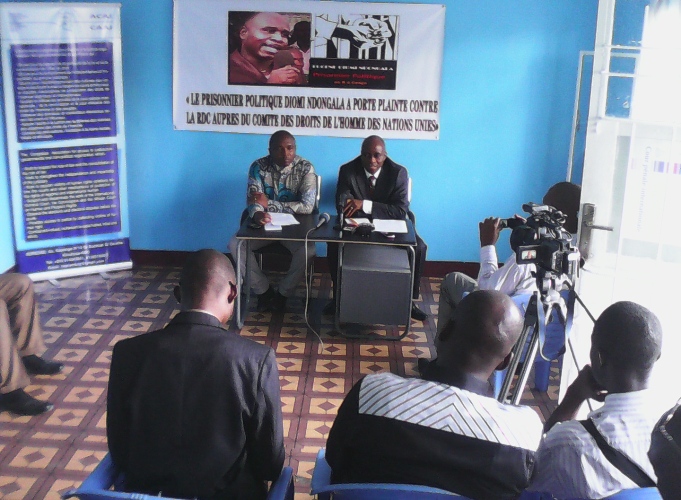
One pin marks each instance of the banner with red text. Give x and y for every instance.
(342, 69)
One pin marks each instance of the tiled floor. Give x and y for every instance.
(40, 457)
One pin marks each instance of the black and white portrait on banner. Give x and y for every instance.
(355, 51)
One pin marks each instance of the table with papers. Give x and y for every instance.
(301, 228)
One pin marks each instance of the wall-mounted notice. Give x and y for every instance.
(345, 69)
(65, 143)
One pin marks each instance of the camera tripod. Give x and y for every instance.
(538, 314)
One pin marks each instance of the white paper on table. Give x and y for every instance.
(279, 219)
(272, 227)
(397, 226)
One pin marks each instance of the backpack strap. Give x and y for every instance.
(623, 463)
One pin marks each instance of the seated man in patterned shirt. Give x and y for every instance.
(279, 182)
(447, 430)
(625, 344)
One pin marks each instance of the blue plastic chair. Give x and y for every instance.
(553, 345)
(105, 476)
(633, 494)
(637, 494)
(322, 488)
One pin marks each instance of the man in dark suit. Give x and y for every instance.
(374, 186)
(193, 409)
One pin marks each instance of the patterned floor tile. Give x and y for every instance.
(34, 458)
(86, 395)
(288, 348)
(157, 298)
(85, 339)
(318, 428)
(59, 486)
(330, 385)
(290, 364)
(369, 367)
(15, 487)
(59, 322)
(324, 405)
(84, 460)
(330, 366)
(66, 417)
(145, 312)
(71, 355)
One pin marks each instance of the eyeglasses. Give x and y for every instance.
(662, 427)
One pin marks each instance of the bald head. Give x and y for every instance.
(373, 153)
(625, 344)
(208, 282)
(564, 196)
(372, 141)
(482, 333)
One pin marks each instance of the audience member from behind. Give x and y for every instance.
(665, 453)
(280, 182)
(625, 344)
(193, 409)
(447, 430)
(21, 344)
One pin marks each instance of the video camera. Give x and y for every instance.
(542, 240)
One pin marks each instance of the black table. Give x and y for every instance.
(328, 233)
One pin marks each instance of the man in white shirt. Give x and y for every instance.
(512, 278)
(625, 344)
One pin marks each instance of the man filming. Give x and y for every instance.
(513, 278)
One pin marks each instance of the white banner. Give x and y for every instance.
(63, 90)
(341, 69)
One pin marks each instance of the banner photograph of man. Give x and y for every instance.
(259, 52)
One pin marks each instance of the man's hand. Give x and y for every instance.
(489, 231)
(585, 386)
(351, 207)
(287, 75)
(261, 218)
(259, 198)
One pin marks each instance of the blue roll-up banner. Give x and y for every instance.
(63, 95)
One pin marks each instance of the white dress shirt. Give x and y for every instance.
(512, 278)
(367, 205)
(569, 462)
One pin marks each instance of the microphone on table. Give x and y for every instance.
(341, 208)
(323, 219)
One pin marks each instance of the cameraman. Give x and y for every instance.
(512, 278)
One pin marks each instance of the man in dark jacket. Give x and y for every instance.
(374, 186)
(193, 409)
